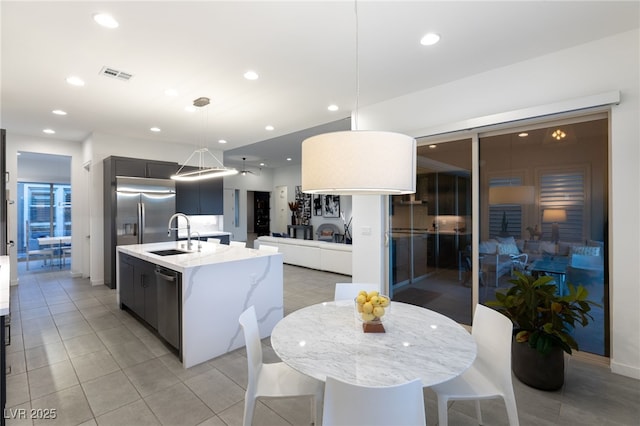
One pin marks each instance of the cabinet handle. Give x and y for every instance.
(165, 276)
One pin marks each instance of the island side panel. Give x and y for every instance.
(214, 296)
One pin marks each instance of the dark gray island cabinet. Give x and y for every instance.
(193, 298)
(152, 293)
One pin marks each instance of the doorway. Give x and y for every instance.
(43, 210)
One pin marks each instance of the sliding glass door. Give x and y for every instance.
(431, 233)
(44, 210)
(542, 196)
(551, 217)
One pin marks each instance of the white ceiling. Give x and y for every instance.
(304, 52)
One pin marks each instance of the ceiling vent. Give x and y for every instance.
(114, 73)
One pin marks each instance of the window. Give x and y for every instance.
(564, 191)
(46, 209)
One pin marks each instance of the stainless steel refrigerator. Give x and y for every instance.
(144, 207)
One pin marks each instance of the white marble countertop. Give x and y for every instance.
(5, 282)
(210, 253)
(327, 340)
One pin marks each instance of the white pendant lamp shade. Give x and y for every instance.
(511, 194)
(359, 162)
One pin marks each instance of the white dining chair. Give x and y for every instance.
(353, 405)
(238, 244)
(348, 291)
(33, 252)
(275, 380)
(213, 240)
(268, 248)
(490, 375)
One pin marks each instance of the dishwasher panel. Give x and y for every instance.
(168, 283)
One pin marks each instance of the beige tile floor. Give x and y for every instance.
(74, 351)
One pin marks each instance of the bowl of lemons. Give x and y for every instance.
(371, 307)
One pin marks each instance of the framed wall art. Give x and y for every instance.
(317, 205)
(331, 206)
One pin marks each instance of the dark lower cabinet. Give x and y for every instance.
(153, 294)
(3, 368)
(139, 292)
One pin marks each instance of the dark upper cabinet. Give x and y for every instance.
(161, 169)
(135, 167)
(211, 196)
(446, 194)
(199, 197)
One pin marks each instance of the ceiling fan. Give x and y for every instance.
(244, 170)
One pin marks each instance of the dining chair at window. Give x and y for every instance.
(31, 251)
(66, 252)
(238, 244)
(349, 291)
(489, 376)
(275, 380)
(353, 405)
(213, 240)
(265, 247)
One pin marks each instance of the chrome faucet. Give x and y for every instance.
(178, 228)
(199, 240)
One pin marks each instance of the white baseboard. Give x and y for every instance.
(625, 370)
(97, 282)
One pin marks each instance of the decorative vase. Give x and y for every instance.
(293, 219)
(544, 372)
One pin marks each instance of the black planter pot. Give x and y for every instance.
(544, 372)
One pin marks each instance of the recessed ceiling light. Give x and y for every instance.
(75, 81)
(262, 164)
(429, 39)
(222, 141)
(523, 134)
(433, 146)
(269, 128)
(49, 131)
(171, 92)
(59, 112)
(105, 20)
(155, 129)
(332, 107)
(251, 75)
(288, 158)
(190, 108)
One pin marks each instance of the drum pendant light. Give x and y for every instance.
(359, 162)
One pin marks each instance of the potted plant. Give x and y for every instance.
(543, 321)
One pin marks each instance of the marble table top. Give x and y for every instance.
(327, 340)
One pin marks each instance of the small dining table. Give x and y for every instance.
(327, 339)
(59, 241)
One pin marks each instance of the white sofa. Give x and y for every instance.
(321, 255)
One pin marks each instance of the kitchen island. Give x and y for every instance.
(214, 286)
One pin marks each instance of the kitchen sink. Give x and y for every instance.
(169, 252)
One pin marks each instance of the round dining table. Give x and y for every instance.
(327, 339)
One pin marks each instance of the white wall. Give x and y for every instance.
(598, 67)
(262, 182)
(79, 184)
